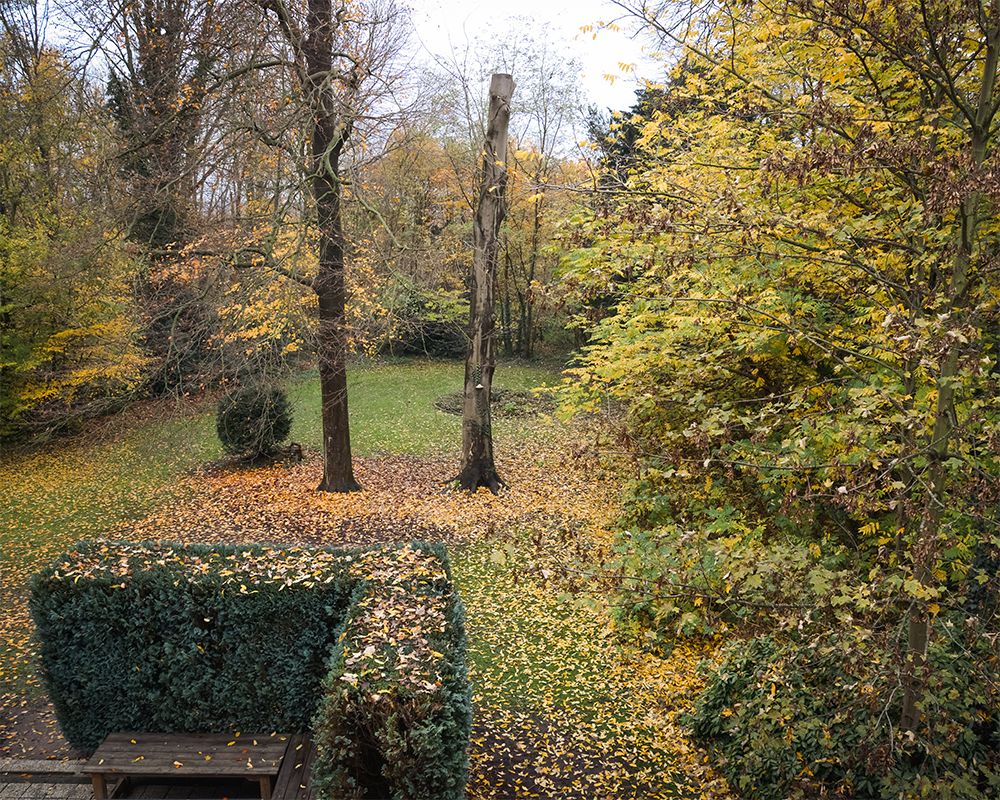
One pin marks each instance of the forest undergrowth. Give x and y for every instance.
(562, 704)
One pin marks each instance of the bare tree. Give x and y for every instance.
(342, 62)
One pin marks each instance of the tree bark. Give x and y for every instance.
(478, 467)
(338, 469)
(329, 136)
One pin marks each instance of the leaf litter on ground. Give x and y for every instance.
(562, 706)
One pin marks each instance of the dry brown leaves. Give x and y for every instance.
(404, 499)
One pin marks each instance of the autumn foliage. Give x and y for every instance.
(792, 315)
(562, 703)
(782, 277)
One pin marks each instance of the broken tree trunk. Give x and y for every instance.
(478, 467)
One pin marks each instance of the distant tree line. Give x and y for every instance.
(163, 231)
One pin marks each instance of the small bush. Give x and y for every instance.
(254, 421)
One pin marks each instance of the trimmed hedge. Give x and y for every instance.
(397, 710)
(367, 647)
(155, 637)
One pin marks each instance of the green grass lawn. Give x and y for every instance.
(549, 677)
(550, 690)
(392, 405)
(70, 490)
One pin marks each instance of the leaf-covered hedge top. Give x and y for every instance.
(248, 567)
(390, 643)
(410, 565)
(397, 633)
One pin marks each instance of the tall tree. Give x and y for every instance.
(478, 467)
(329, 136)
(67, 327)
(337, 51)
(161, 60)
(806, 275)
(167, 66)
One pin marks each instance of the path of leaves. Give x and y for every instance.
(561, 710)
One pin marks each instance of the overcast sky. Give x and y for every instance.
(439, 22)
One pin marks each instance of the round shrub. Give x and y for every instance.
(253, 421)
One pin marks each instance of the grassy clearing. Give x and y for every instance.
(394, 414)
(73, 490)
(561, 708)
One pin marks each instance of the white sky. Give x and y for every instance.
(441, 21)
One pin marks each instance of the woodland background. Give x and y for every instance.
(777, 273)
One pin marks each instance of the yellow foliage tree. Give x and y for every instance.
(799, 294)
(68, 330)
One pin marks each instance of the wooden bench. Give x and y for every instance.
(124, 756)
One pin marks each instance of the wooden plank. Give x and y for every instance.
(121, 787)
(188, 755)
(197, 754)
(294, 781)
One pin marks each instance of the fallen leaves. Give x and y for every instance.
(561, 707)
(260, 565)
(403, 499)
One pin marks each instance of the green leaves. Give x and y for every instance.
(785, 718)
(790, 308)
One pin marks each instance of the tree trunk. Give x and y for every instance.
(478, 468)
(506, 319)
(328, 138)
(528, 313)
(967, 239)
(338, 470)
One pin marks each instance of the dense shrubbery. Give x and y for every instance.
(808, 397)
(253, 421)
(425, 322)
(163, 638)
(395, 721)
(799, 719)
